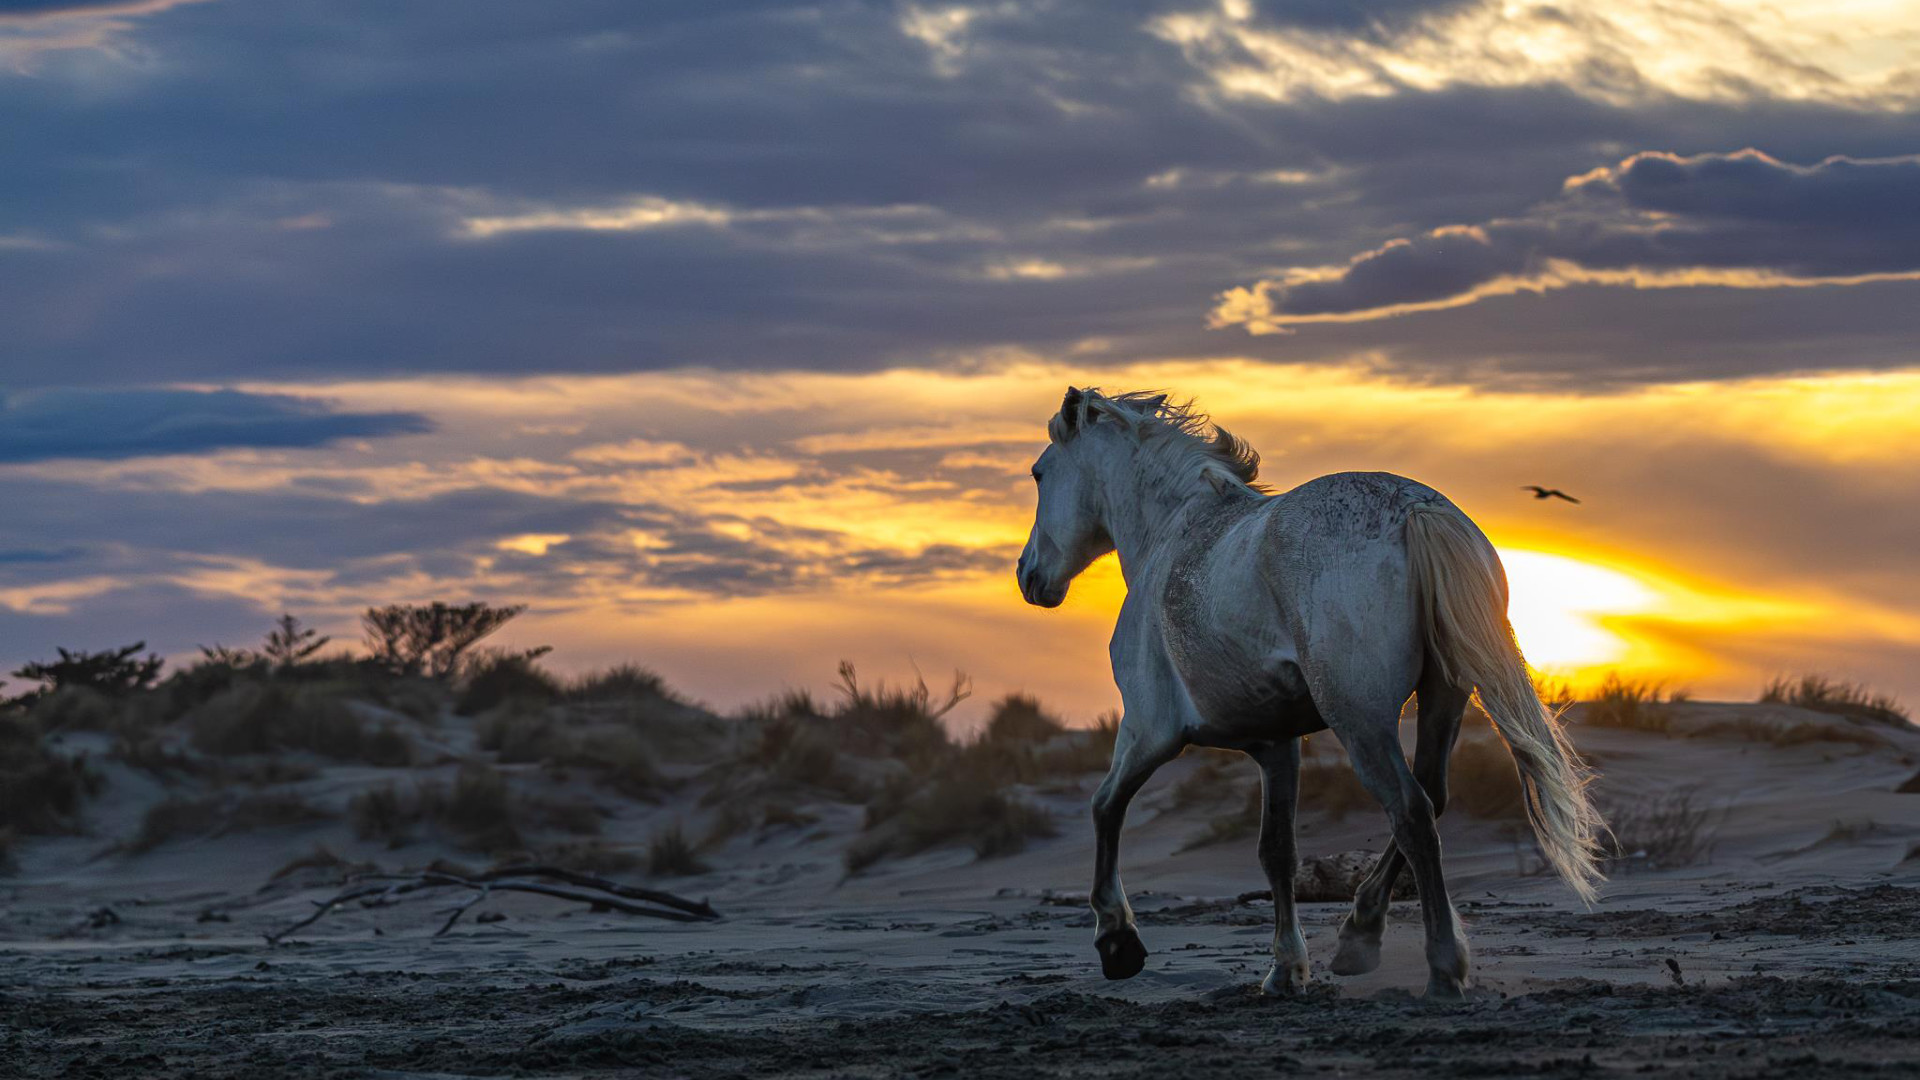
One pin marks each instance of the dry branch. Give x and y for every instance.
(599, 894)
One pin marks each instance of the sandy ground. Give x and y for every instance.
(1791, 952)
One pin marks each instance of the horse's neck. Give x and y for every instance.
(1148, 502)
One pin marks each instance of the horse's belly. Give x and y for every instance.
(1265, 701)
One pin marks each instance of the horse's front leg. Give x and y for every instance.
(1280, 782)
(1137, 752)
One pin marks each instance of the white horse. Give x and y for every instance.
(1253, 619)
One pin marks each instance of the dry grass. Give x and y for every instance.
(1633, 704)
(269, 717)
(951, 810)
(1332, 787)
(220, 816)
(1662, 832)
(1482, 781)
(1823, 694)
(670, 854)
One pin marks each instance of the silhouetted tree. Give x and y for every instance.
(115, 671)
(430, 639)
(289, 644)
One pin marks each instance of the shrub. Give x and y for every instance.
(1823, 694)
(431, 639)
(623, 682)
(1018, 718)
(1082, 751)
(1664, 831)
(260, 718)
(382, 813)
(480, 808)
(518, 737)
(619, 762)
(902, 723)
(670, 855)
(506, 679)
(951, 810)
(41, 791)
(173, 818)
(113, 672)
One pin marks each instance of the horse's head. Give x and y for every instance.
(1069, 527)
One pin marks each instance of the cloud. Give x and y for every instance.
(114, 424)
(1741, 220)
(1624, 53)
(271, 189)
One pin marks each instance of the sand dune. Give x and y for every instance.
(1788, 944)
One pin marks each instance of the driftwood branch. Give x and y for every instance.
(599, 894)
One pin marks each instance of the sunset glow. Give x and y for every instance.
(740, 385)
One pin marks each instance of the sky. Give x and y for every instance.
(721, 333)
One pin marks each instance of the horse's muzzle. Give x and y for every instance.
(1034, 589)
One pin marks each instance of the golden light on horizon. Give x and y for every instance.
(1559, 607)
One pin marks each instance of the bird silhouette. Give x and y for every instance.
(1549, 493)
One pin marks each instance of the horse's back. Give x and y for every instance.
(1339, 569)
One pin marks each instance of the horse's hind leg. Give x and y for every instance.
(1441, 708)
(1383, 770)
(1280, 781)
(1137, 752)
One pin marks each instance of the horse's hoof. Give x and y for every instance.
(1121, 954)
(1445, 988)
(1284, 981)
(1356, 956)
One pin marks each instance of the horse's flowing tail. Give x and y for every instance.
(1462, 590)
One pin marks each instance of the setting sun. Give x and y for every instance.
(1558, 606)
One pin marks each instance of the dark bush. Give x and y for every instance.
(669, 854)
(114, 672)
(1018, 718)
(506, 679)
(42, 791)
(955, 810)
(175, 818)
(431, 639)
(625, 682)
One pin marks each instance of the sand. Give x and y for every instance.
(1790, 951)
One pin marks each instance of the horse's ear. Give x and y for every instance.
(1070, 407)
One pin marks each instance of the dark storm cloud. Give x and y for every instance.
(1739, 220)
(112, 424)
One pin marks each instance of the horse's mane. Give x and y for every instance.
(1155, 419)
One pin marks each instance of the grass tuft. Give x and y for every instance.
(1828, 695)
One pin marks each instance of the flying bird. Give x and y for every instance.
(1549, 493)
